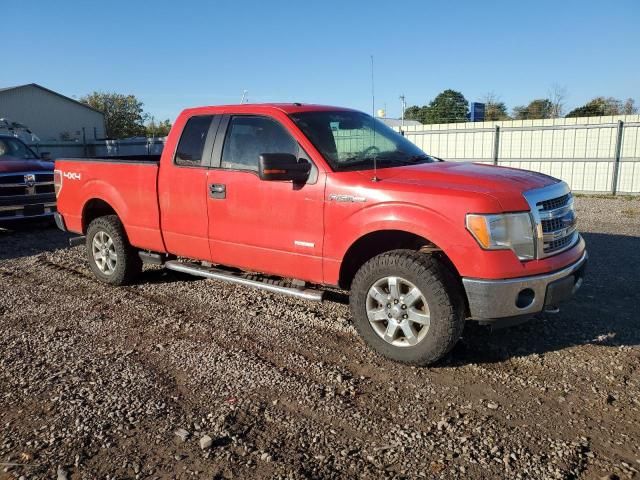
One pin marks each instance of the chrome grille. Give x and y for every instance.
(551, 225)
(26, 194)
(554, 215)
(559, 244)
(16, 183)
(554, 202)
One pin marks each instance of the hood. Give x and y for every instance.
(504, 184)
(13, 165)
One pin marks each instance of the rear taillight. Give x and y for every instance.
(57, 181)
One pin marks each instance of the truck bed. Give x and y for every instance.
(128, 184)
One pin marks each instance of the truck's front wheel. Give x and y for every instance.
(407, 307)
(111, 258)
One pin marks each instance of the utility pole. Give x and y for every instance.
(373, 97)
(404, 106)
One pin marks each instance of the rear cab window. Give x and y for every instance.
(191, 146)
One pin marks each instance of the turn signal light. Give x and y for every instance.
(477, 224)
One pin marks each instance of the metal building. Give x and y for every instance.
(50, 115)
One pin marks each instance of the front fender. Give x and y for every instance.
(348, 227)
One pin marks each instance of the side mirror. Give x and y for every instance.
(45, 156)
(283, 166)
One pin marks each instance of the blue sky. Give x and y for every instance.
(178, 54)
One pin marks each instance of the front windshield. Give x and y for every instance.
(350, 140)
(11, 148)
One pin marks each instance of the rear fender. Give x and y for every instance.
(96, 189)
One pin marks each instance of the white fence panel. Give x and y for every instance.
(587, 152)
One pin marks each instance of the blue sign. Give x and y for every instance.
(476, 112)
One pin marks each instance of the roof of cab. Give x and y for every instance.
(257, 107)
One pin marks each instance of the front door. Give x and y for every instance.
(271, 227)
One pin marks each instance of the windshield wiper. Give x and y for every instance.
(356, 160)
(390, 158)
(401, 158)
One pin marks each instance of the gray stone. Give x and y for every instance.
(62, 474)
(182, 434)
(205, 442)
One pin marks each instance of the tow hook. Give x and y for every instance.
(553, 309)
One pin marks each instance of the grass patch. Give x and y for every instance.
(607, 196)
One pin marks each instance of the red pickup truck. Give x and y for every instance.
(294, 198)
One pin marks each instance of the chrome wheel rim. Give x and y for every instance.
(104, 253)
(398, 311)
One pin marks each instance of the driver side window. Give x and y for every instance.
(248, 137)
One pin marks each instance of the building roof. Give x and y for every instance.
(397, 122)
(16, 87)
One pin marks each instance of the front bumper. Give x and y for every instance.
(27, 212)
(21, 207)
(523, 296)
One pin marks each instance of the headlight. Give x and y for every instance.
(504, 231)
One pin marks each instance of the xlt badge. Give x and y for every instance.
(334, 197)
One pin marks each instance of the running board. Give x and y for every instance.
(75, 241)
(207, 272)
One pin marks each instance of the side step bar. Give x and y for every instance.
(206, 272)
(75, 241)
(151, 258)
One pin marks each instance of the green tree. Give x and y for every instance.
(416, 113)
(629, 107)
(160, 129)
(601, 106)
(123, 114)
(537, 109)
(449, 106)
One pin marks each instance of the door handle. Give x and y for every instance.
(217, 190)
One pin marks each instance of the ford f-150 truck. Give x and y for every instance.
(297, 198)
(26, 183)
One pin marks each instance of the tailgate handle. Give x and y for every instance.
(217, 190)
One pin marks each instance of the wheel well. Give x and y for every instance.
(93, 209)
(375, 243)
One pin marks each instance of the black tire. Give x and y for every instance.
(438, 287)
(128, 264)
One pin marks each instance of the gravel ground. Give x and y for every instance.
(177, 377)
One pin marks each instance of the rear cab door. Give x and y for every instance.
(182, 185)
(273, 227)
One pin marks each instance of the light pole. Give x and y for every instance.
(404, 106)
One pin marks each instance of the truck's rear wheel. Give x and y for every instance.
(111, 258)
(406, 306)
